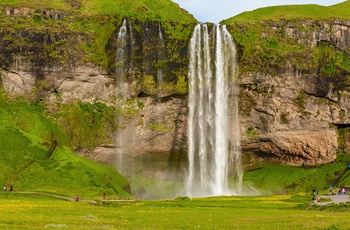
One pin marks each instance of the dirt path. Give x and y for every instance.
(70, 198)
(335, 199)
(60, 197)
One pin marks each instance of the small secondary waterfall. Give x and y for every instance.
(161, 57)
(121, 47)
(213, 122)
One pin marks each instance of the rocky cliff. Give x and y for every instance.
(296, 108)
(294, 79)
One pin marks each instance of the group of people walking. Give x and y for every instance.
(341, 191)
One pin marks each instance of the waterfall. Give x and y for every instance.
(161, 57)
(124, 43)
(121, 49)
(213, 122)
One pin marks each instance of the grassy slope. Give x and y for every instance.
(164, 10)
(25, 140)
(288, 12)
(291, 179)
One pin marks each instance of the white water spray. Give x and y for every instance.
(213, 122)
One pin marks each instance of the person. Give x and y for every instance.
(77, 198)
(304, 164)
(104, 195)
(318, 199)
(4, 189)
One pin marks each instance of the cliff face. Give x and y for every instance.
(292, 106)
(298, 111)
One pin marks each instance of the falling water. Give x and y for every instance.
(122, 42)
(121, 48)
(161, 57)
(213, 125)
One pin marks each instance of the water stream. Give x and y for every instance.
(213, 122)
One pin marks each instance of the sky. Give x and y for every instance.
(217, 10)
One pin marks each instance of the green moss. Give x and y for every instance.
(284, 118)
(181, 86)
(251, 132)
(149, 84)
(343, 137)
(299, 101)
(157, 127)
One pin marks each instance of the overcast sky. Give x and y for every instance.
(217, 10)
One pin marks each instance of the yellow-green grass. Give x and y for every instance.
(21, 211)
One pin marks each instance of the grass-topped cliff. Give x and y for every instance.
(80, 28)
(163, 10)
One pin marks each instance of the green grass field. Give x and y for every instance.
(23, 211)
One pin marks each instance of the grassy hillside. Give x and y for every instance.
(309, 11)
(28, 134)
(164, 10)
(290, 179)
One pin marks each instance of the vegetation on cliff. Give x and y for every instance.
(90, 23)
(272, 38)
(64, 34)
